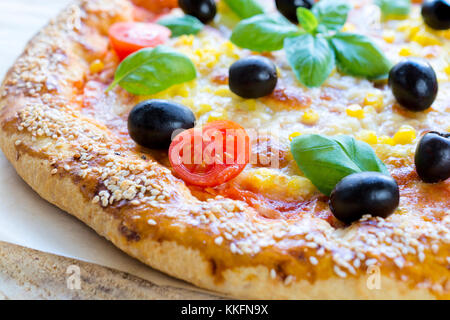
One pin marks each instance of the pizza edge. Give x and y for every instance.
(171, 257)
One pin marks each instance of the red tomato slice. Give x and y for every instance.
(129, 37)
(212, 155)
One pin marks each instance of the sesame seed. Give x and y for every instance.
(288, 280)
(273, 273)
(339, 272)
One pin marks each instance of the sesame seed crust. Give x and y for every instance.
(76, 162)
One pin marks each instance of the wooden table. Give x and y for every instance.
(30, 274)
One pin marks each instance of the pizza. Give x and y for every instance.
(260, 149)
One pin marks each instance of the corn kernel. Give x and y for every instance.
(412, 31)
(310, 117)
(405, 52)
(223, 92)
(230, 49)
(293, 135)
(96, 66)
(355, 111)
(182, 91)
(349, 27)
(251, 104)
(186, 40)
(386, 140)
(425, 39)
(405, 135)
(220, 114)
(368, 136)
(204, 108)
(374, 99)
(447, 70)
(389, 36)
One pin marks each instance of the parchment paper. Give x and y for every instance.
(25, 218)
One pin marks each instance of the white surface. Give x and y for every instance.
(26, 219)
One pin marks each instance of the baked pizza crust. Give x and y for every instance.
(182, 238)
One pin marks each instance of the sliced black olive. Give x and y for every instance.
(432, 157)
(253, 77)
(151, 123)
(364, 193)
(203, 10)
(288, 8)
(414, 84)
(436, 14)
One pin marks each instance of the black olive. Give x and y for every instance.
(288, 8)
(253, 77)
(364, 193)
(414, 84)
(151, 123)
(203, 10)
(436, 14)
(432, 157)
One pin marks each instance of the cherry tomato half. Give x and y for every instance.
(129, 37)
(211, 155)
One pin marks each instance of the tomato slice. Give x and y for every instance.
(129, 37)
(212, 155)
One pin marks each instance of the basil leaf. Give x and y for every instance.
(311, 58)
(182, 25)
(357, 55)
(394, 7)
(326, 161)
(152, 70)
(245, 8)
(331, 13)
(362, 154)
(263, 33)
(307, 19)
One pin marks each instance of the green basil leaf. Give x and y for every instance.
(307, 19)
(362, 154)
(263, 32)
(311, 58)
(152, 70)
(326, 161)
(182, 25)
(394, 7)
(357, 55)
(331, 13)
(245, 8)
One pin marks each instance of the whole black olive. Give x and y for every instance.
(203, 10)
(414, 84)
(432, 157)
(151, 123)
(364, 193)
(436, 14)
(288, 8)
(253, 77)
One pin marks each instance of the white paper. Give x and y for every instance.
(25, 218)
